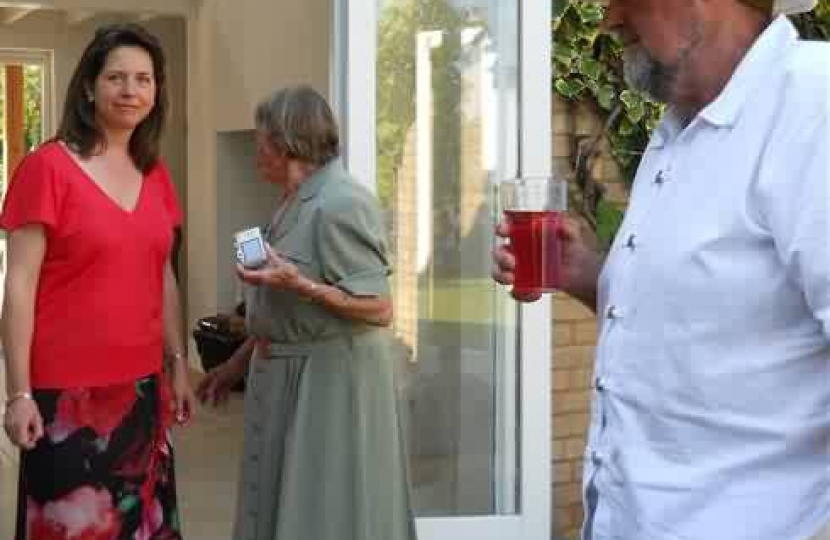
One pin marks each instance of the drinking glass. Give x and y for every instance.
(533, 207)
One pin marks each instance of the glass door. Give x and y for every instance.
(461, 101)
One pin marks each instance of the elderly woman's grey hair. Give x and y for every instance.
(299, 122)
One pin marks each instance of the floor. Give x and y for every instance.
(207, 456)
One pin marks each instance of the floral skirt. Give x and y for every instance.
(104, 468)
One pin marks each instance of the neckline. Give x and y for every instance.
(89, 180)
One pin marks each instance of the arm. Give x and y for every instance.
(281, 274)
(27, 247)
(370, 309)
(350, 244)
(216, 386)
(173, 341)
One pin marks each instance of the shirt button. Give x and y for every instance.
(660, 178)
(600, 384)
(596, 458)
(612, 313)
(631, 243)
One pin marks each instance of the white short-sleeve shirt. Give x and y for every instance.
(711, 416)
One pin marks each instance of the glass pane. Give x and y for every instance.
(447, 132)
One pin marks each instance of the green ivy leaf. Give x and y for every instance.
(591, 14)
(626, 128)
(569, 88)
(590, 68)
(605, 96)
(564, 55)
(635, 106)
(629, 98)
(609, 219)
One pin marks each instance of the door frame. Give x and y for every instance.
(46, 60)
(353, 78)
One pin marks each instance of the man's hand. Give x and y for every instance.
(505, 264)
(581, 262)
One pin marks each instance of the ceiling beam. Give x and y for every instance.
(146, 17)
(11, 15)
(79, 16)
(161, 7)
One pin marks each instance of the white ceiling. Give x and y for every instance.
(80, 11)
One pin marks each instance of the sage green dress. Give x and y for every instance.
(323, 455)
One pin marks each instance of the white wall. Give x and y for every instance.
(238, 52)
(243, 201)
(262, 45)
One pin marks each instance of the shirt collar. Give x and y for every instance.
(768, 50)
(312, 185)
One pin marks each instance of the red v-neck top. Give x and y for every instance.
(99, 303)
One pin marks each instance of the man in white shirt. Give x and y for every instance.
(711, 416)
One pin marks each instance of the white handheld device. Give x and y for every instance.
(250, 248)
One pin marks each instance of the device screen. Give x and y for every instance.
(251, 250)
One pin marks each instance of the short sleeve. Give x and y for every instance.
(35, 194)
(795, 203)
(352, 246)
(169, 197)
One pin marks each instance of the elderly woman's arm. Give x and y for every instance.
(281, 274)
(371, 309)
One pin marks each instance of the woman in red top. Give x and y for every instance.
(91, 303)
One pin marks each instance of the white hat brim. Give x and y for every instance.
(792, 7)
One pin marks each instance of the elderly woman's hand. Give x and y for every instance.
(277, 273)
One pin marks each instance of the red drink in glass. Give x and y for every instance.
(533, 207)
(534, 239)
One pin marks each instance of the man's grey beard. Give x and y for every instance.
(644, 73)
(658, 79)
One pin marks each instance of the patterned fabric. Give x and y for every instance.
(104, 468)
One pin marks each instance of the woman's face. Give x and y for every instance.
(273, 165)
(125, 90)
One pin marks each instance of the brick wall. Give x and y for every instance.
(574, 333)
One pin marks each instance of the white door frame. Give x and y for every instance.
(353, 90)
(45, 59)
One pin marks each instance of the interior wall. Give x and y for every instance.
(243, 201)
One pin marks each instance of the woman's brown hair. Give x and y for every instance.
(78, 129)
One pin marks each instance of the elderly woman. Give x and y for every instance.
(323, 457)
